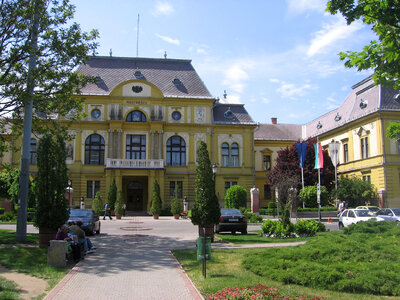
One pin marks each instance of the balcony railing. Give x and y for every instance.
(116, 163)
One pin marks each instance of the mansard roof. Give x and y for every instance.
(277, 132)
(365, 98)
(174, 77)
(225, 113)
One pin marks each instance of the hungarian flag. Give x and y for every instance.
(319, 156)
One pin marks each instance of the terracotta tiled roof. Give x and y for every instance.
(160, 72)
(231, 114)
(277, 132)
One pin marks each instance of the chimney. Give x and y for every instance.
(274, 120)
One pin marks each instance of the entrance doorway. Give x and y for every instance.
(134, 201)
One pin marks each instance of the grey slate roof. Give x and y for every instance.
(277, 132)
(225, 113)
(160, 72)
(374, 97)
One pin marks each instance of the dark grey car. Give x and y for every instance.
(231, 220)
(90, 221)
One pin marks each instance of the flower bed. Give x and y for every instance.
(255, 292)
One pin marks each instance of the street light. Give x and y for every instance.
(214, 170)
(69, 192)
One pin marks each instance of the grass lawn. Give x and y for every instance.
(329, 265)
(28, 260)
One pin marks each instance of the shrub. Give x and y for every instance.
(236, 197)
(308, 227)
(176, 204)
(8, 217)
(97, 205)
(268, 226)
(119, 205)
(370, 226)
(277, 228)
(268, 211)
(252, 218)
(271, 204)
(308, 195)
(112, 194)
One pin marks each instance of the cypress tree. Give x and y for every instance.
(206, 209)
(112, 194)
(156, 203)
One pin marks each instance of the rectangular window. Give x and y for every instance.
(93, 186)
(267, 162)
(367, 178)
(172, 185)
(364, 148)
(345, 153)
(135, 146)
(228, 184)
(267, 192)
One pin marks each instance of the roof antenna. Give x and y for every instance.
(165, 54)
(137, 37)
(110, 52)
(225, 94)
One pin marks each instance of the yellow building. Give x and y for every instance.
(144, 121)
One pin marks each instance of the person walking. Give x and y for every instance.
(107, 211)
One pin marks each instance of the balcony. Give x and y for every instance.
(116, 163)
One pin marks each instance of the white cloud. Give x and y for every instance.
(168, 39)
(291, 91)
(330, 34)
(297, 7)
(265, 100)
(201, 51)
(163, 8)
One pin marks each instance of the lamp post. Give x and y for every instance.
(277, 199)
(69, 192)
(333, 153)
(82, 202)
(185, 204)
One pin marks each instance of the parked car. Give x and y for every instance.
(373, 208)
(231, 220)
(389, 214)
(353, 216)
(90, 221)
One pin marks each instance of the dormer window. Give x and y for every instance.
(138, 74)
(363, 104)
(176, 81)
(319, 125)
(338, 117)
(229, 114)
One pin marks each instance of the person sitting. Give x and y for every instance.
(62, 234)
(83, 240)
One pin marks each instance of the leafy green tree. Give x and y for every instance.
(112, 194)
(176, 203)
(62, 46)
(236, 197)
(381, 55)
(119, 204)
(308, 195)
(156, 202)
(356, 191)
(51, 181)
(98, 205)
(206, 209)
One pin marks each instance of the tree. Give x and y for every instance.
(356, 191)
(236, 197)
(156, 202)
(382, 56)
(112, 194)
(51, 181)
(98, 205)
(308, 195)
(62, 46)
(119, 204)
(287, 169)
(206, 209)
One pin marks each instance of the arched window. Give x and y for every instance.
(235, 155)
(176, 151)
(136, 116)
(230, 155)
(33, 156)
(225, 154)
(94, 150)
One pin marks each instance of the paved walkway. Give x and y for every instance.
(133, 261)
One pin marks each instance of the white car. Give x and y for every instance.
(353, 216)
(389, 214)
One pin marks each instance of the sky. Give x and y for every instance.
(277, 57)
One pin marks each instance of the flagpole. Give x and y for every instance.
(319, 188)
(302, 182)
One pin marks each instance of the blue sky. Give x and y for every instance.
(278, 57)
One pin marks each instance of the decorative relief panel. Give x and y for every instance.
(115, 112)
(136, 89)
(200, 114)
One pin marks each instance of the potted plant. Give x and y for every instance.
(176, 203)
(156, 203)
(119, 206)
(51, 206)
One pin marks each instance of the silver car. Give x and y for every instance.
(353, 216)
(389, 214)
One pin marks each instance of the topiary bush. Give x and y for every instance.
(308, 195)
(236, 197)
(308, 227)
(119, 204)
(156, 203)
